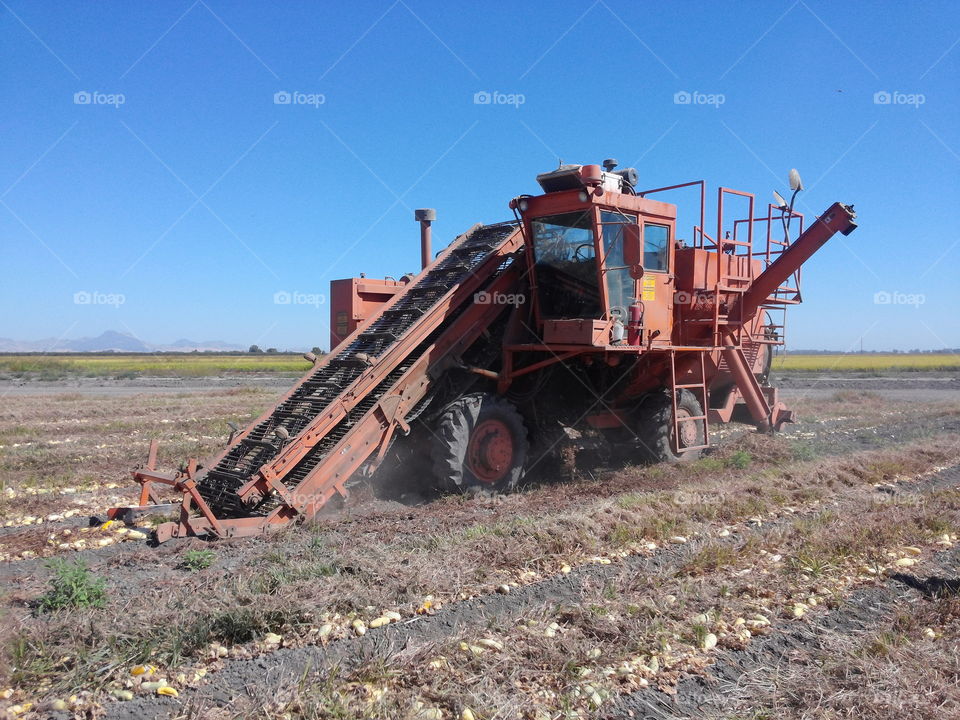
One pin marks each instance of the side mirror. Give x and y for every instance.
(633, 250)
(796, 183)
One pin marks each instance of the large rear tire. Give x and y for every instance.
(655, 429)
(480, 443)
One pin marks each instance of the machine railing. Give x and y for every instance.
(759, 243)
(790, 290)
(698, 234)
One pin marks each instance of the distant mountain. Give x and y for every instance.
(110, 340)
(113, 341)
(184, 345)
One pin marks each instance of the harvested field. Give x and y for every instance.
(768, 579)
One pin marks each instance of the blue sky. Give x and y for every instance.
(195, 197)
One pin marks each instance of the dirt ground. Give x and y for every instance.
(812, 574)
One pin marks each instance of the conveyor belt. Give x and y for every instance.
(329, 381)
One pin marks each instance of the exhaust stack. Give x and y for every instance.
(425, 216)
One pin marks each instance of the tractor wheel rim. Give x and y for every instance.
(490, 451)
(688, 429)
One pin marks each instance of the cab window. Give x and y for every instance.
(656, 248)
(566, 265)
(621, 287)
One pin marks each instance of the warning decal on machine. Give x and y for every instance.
(649, 288)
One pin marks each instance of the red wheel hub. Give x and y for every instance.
(490, 451)
(688, 429)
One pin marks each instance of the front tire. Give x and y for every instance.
(480, 443)
(656, 428)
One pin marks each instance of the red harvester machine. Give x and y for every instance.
(584, 318)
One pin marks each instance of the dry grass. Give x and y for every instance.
(381, 556)
(66, 452)
(634, 629)
(357, 566)
(898, 670)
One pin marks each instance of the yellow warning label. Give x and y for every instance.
(649, 288)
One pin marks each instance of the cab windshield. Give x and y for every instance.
(566, 266)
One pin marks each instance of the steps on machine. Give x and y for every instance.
(699, 390)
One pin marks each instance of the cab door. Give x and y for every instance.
(656, 285)
(620, 289)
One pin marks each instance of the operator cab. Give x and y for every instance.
(601, 258)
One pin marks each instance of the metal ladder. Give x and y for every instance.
(699, 387)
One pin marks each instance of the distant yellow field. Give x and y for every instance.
(199, 364)
(172, 365)
(866, 363)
